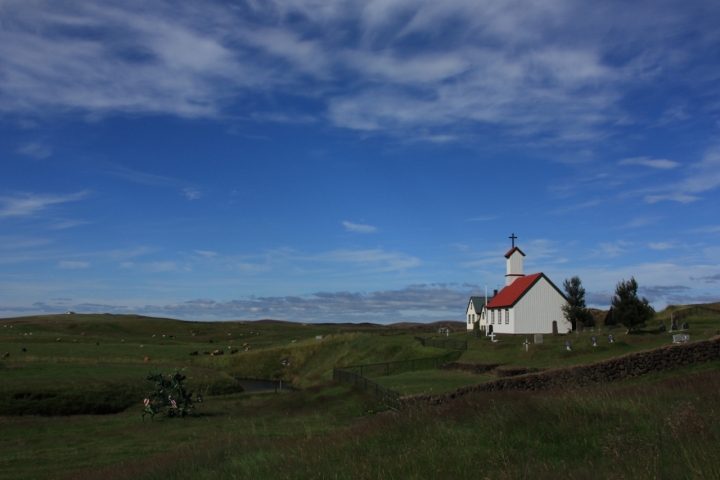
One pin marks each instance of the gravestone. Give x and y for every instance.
(567, 346)
(673, 327)
(662, 329)
(594, 341)
(681, 338)
(527, 344)
(554, 327)
(579, 326)
(685, 326)
(611, 338)
(538, 338)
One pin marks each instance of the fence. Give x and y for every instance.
(356, 374)
(385, 395)
(691, 311)
(446, 344)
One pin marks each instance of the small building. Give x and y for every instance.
(475, 313)
(528, 304)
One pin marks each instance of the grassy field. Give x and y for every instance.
(70, 408)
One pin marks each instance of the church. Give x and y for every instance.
(528, 303)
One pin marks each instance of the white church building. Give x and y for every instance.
(528, 303)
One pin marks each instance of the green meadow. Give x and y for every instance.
(70, 405)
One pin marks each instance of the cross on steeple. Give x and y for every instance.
(513, 237)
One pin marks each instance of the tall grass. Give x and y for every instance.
(669, 429)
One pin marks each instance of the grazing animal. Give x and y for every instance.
(231, 341)
(233, 352)
(211, 341)
(57, 339)
(171, 336)
(24, 349)
(7, 354)
(160, 343)
(217, 352)
(146, 359)
(194, 353)
(206, 352)
(82, 334)
(96, 343)
(245, 345)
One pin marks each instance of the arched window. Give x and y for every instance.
(507, 316)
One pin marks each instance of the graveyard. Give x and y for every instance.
(82, 379)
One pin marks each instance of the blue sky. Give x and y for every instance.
(353, 160)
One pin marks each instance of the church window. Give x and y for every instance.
(492, 317)
(507, 316)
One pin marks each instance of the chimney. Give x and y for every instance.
(495, 293)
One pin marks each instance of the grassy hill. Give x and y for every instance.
(82, 380)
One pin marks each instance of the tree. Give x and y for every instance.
(628, 309)
(574, 310)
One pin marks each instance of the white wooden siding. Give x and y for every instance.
(515, 263)
(536, 310)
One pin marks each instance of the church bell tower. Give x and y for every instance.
(514, 263)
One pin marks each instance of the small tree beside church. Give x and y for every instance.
(575, 310)
(628, 309)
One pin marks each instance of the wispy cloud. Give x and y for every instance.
(527, 68)
(27, 204)
(659, 163)
(192, 193)
(423, 302)
(142, 178)
(35, 149)
(359, 227)
(71, 265)
(374, 259)
(700, 177)
(661, 245)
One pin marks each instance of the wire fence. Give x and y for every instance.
(385, 395)
(446, 344)
(692, 311)
(357, 375)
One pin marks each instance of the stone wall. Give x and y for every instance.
(619, 368)
(491, 368)
(470, 367)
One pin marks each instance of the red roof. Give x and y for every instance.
(508, 296)
(510, 252)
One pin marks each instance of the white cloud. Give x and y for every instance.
(409, 67)
(661, 245)
(36, 150)
(30, 204)
(70, 265)
(192, 193)
(675, 197)
(660, 163)
(700, 177)
(375, 259)
(358, 227)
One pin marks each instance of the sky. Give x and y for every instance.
(353, 161)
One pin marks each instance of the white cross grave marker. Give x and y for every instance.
(492, 337)
(526, 343)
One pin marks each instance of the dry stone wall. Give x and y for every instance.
(491, 368)
(619, 368)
